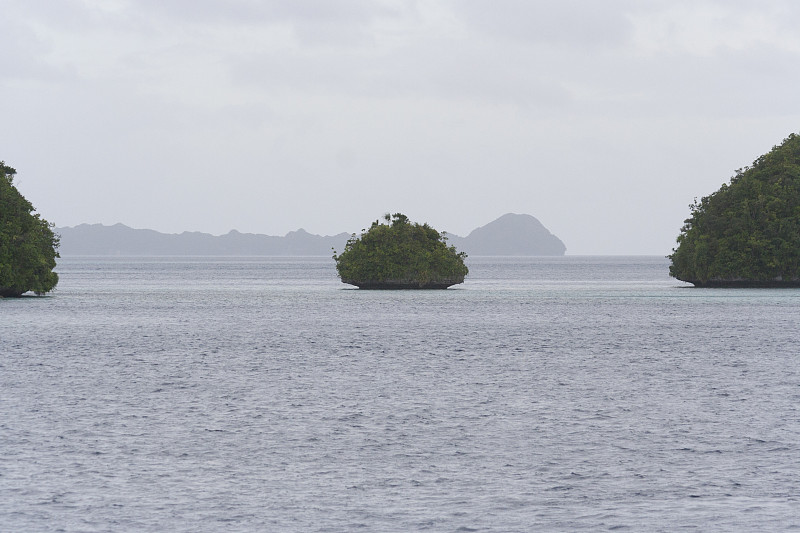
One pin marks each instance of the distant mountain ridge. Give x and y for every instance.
(511, 234)
(119, 239)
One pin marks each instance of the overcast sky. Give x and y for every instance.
(603, 119)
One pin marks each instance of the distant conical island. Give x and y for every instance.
(747, 234)
(511, 234)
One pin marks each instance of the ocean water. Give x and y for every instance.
(261, 394)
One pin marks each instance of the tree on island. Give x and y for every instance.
(27, 243)
(399, 254)
(747, 233)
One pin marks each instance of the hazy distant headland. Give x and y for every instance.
(511, 234)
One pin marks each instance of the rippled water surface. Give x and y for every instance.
(260, 394)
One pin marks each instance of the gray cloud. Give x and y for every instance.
(22, 54)
(604, 120)
(312, 22)
(551, 22)
(447, 70)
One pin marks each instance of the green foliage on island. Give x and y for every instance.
(27, 243)
(748, 232)
(400, 254)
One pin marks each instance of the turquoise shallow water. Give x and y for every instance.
(256, 394)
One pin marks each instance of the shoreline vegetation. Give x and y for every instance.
(28, 246)
(746, 234)
(399, 254)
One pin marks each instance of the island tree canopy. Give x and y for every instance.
(400, 254)
(27, 243)
(748, 232)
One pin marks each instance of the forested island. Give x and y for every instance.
(746, 234)
(28, 246)
(399, 254)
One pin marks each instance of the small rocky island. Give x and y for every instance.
(398, 254)
(747, 234)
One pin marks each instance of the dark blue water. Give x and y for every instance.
(264, 395)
